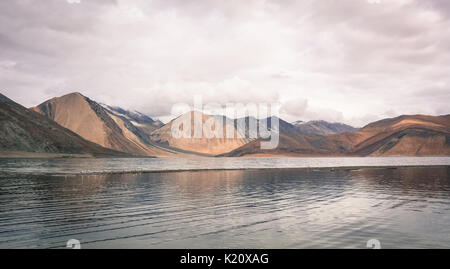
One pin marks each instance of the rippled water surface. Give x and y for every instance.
(44, 203)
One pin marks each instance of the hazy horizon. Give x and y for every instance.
(350, 61)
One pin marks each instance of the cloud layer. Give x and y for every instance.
(353, 61)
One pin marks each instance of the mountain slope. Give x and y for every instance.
(291, 143)
(202, 145)
(139, 120)
(414, 135)
(24, 130)
(299, 145)
(322, 127)
(96, 124)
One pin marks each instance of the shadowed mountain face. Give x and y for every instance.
(100, 125)
(24, 130)
(416, 135)
(322, 127)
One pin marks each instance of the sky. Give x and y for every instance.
(351, 61)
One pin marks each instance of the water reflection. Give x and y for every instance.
(288, 208)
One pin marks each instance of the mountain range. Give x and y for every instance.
(76, 124)
(417, 135)
(408, 135)
(23, 130)
(106, 126)
(322, 127)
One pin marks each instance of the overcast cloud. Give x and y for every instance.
(353, 61)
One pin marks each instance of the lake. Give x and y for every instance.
(225, 202)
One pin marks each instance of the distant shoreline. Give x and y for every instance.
(33, 155)
(347, 168)
(309, 169)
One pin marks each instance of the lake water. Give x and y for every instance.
(102, 166)
(44, 203)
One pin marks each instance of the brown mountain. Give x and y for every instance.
(203, 145)
(320, 127)
(402, 136)
(415, 135)
(23, 130)
(97, 124)
(292, 143)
